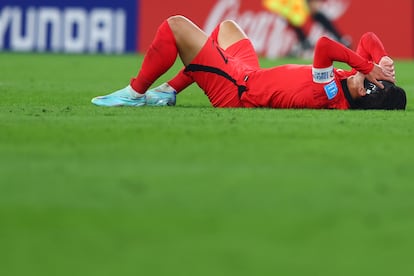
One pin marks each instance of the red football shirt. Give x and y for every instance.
(313, 86)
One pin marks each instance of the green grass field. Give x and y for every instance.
(193, 190)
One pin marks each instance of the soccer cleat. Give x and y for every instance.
(162, 95)
(123, 97)
(160, 98)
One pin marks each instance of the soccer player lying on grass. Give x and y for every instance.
(226, 67)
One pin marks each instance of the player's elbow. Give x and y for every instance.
(323, 43)
(369, 36)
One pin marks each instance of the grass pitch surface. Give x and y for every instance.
(193, 190)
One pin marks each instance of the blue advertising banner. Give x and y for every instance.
(69, 26)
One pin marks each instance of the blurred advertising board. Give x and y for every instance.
(392, 21)
(73, 26)
(106, 26)
(271, 34)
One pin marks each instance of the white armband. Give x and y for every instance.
(323, 75)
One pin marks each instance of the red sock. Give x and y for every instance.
(160, 56)
(180, 81)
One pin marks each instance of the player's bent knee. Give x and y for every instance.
(177, 21)
(231, 28)
(229, 24)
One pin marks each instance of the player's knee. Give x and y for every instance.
(228, 25)
(176, 22)
(230, 32)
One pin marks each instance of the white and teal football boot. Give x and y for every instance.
(123, 97)
(163, 95)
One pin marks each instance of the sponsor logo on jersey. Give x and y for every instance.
(331, 90)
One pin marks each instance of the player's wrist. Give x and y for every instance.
(367, 68)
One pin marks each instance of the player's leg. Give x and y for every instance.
(227, 58)
(226, 34)
(236, 44)
(165, 94)
(229, 33)
(175, 35)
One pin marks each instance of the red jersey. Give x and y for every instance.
(232, 77)
(292, 86)
(313, 86)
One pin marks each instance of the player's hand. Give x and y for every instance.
(378, 73)
(387, 65)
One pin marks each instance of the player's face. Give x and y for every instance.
(357, 82)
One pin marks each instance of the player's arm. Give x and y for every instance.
(371, 48)
(327, 51)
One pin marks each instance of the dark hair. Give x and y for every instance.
(391, 97)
